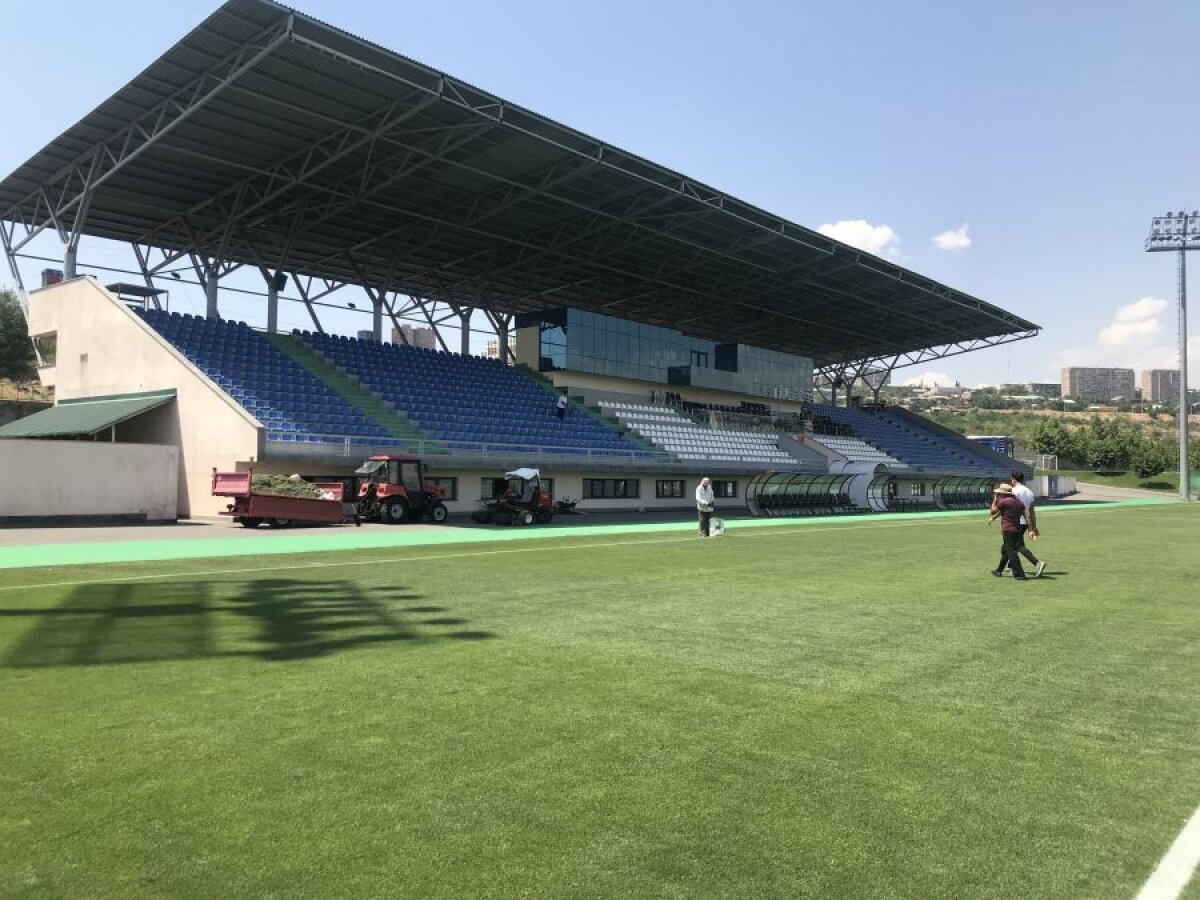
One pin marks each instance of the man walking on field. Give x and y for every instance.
(1028, 524)
(1008, 509)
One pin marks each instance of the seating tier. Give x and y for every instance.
(293, 404)
(688, 441)
(471, 402)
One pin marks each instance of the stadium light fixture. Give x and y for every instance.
(1179, 231)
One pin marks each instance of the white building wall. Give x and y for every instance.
(88, 478)
(103, 349)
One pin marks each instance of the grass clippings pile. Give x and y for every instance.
(285, 486)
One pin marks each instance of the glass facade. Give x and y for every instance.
(603, 345)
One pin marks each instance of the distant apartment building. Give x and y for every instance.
(414, 337)
(492, 349)
(1160, 385)
(1098, 385)
(1045, 389)
(1049, 389)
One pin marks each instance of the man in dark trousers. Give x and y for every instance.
(1008, 509)
(1028, 524)
(704, 504)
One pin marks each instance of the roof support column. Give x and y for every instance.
(501, 322)
(11, 255)
(377, 317)
(144, 267)
(502, 337)
(22, 298)
(276, 282)
(464, 327)
(212, 280)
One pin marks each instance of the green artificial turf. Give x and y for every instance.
(846, 710)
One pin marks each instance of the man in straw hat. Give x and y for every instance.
(1008, 509)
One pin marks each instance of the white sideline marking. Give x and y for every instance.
(536, 548)
(1175, 869)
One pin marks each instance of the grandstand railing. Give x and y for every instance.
(429, 447)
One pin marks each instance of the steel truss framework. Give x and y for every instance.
(267, 139)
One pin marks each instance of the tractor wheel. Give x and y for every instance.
(278, 523)
(525, 518)
(544, 516)
(250, 521)
(438, 513)
(394, 512)
(502, 517)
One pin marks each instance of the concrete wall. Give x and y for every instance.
(103, 348)
(570, 485)
(81, 479)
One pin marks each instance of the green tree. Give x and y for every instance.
(1051, 436)
(1150, 458)
(16, 353)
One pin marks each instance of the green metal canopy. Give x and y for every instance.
(85, 417)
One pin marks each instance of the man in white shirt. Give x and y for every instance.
(704, 504)
(1028, 523)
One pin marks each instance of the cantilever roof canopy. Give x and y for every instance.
(268, 138)
(85, 417)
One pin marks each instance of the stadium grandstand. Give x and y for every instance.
(689, 331)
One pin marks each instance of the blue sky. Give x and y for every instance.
(1044, 135)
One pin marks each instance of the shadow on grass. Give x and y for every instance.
(275, 619)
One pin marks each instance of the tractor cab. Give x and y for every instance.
(393, 489)
(518, 498)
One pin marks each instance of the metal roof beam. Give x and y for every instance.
(76, 182)
(245, 197)
(926, 354)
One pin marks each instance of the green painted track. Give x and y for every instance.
(326, 540)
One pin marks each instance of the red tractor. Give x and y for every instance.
(519, 498)
(393, 489)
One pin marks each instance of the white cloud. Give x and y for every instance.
(954, 239)
(1134, 325)
(929, 379)
(880, 240)
(1136, 338)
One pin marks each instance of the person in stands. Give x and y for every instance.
(562, 406)
(1028, 524)
(1008, 509)
(704, 504)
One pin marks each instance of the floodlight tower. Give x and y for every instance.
(1179, 231)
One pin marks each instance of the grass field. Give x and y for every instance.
(1163, 481)
(846, 710)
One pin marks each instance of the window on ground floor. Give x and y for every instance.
(724, 488)
(611, 488)
(448, 487)
(666, 489)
